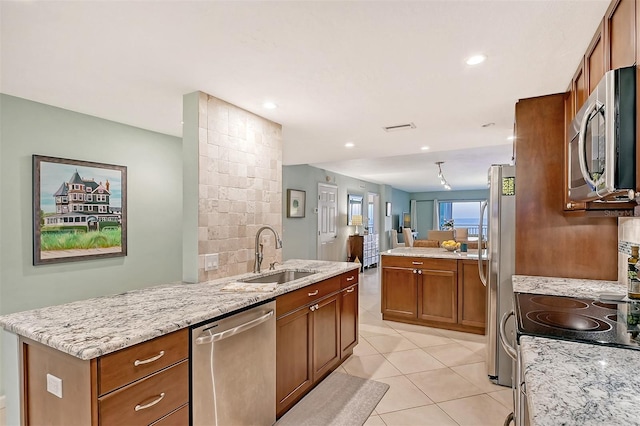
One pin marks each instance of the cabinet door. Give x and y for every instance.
(399, 292)
(294, 374)
(348, 320)
(578, 91)
(437, 295)
(326, 335)
(620, 34)
(472, 295)
(594, 61)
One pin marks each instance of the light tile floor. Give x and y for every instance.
(436, 377)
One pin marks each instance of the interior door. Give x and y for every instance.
(327, 222)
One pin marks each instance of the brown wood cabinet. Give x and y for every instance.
(435, 292)
(594, 60)
(472, 308)
(620, 34)
(139, 385)
(438, 295)
(548, 242)
(348, 320)
(310, 341)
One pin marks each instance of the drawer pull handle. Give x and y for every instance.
(351, 290)
(151, 404)
(313, 293)
(147, 361)
(351, 278)
(416, 263)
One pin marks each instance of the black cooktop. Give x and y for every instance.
(585, 320)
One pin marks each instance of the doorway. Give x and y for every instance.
(327, 222)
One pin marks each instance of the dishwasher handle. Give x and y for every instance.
(205, 338)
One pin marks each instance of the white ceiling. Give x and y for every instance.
(338, 71)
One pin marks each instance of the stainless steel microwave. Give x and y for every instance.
(602, 141)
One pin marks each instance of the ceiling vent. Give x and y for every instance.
(399, 127)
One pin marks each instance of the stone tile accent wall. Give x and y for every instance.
(240, 186)
(628, 235)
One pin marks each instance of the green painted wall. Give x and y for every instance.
(154, 173)
(299, 234)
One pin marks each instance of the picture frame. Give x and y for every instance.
(296, 203)
(79, 210)
(387, 209)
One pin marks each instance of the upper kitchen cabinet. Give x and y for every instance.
(620, 34)
(578, 90)
(594, 64)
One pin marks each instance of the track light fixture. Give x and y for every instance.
(443, 181)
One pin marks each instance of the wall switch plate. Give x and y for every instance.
(54, 385)
(211, 262)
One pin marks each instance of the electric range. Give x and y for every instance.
(603, 322)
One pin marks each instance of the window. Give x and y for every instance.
(101, 197)
(89, 197)
(465, 214)
(102, 209)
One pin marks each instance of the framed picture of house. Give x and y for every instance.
(79, 210)
(295, 202)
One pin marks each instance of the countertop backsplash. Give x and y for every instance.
(628, 235)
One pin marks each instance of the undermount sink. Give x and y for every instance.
(280, 277)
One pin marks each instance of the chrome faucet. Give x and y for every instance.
(260, 248)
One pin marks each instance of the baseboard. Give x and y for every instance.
(2, 398)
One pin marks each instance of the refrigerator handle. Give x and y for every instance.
(483, 275)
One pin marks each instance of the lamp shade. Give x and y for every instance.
(356, 220)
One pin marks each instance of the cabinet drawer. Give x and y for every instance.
(420, 263)
(303, 296)
(349, 279)
(119, 368)
(180, 417)
(153, 397)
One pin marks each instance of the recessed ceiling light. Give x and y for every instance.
(269, 105)
(349, 144)
(476, 59)
(424, 148)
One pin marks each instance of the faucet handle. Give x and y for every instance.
(272, 266)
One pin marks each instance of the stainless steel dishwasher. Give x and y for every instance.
(233, 369)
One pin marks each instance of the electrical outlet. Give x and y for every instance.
(211, 262)
(54, 385)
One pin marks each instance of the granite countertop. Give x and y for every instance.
(566, 286)
(89, 328)
(436, 253)
(572, 383)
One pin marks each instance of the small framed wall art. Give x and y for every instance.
(387, 209)
(79, 210)
(296, 200)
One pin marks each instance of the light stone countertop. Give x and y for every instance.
(566, 286)
(575, 383)
(90, 328)
(571, 383)
(436, 253)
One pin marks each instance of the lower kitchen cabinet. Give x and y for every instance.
(294, 358)
(144, 384)
(438, 295)
(348, 320)
(399, 291)
(316, 329)
(444, 293)
(326, 336)
(472, 307)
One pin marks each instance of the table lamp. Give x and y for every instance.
(356, 220)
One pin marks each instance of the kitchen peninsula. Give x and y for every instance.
(80, 339)
(434, 287)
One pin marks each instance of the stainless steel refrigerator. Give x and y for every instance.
(500, 266)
